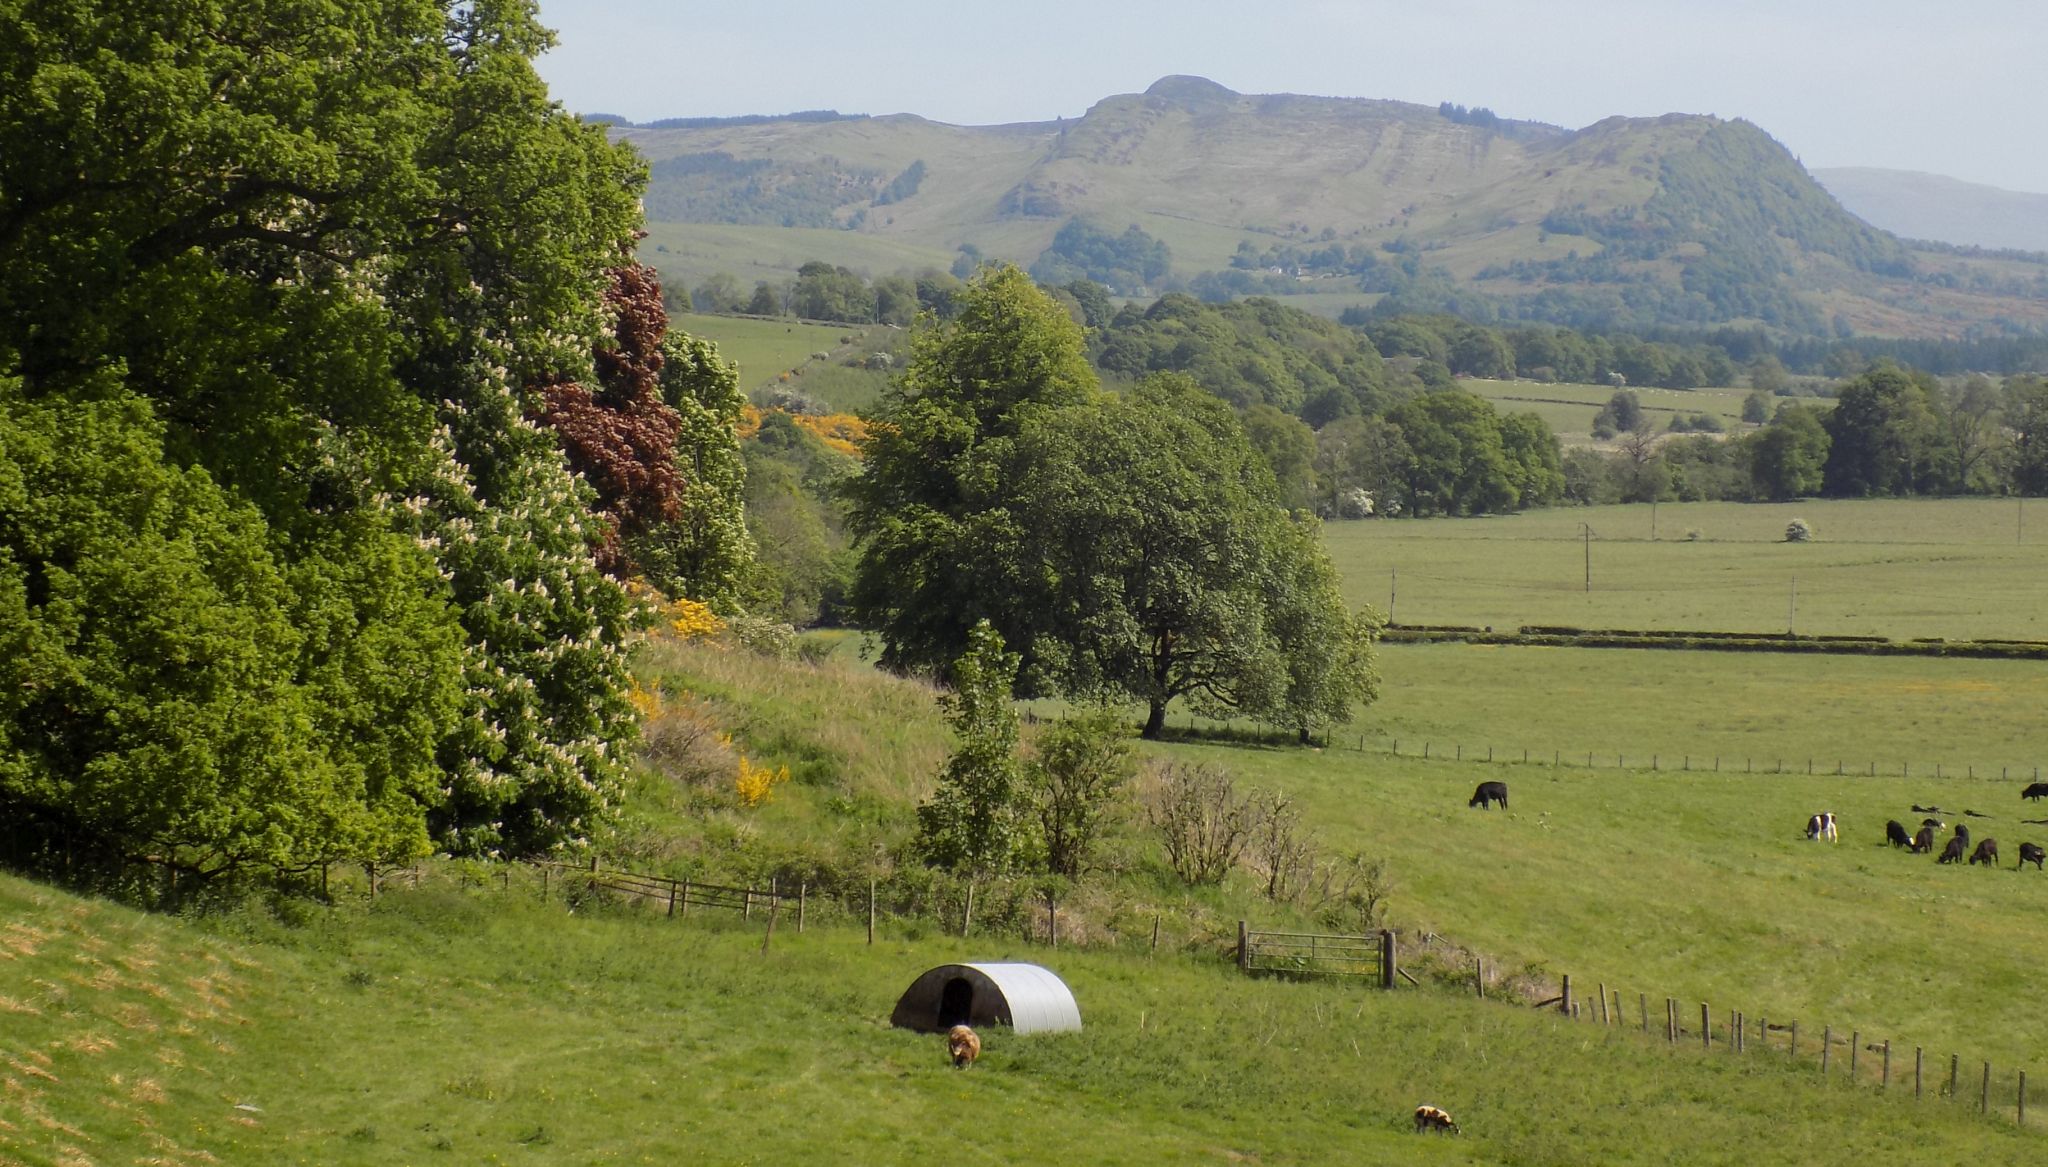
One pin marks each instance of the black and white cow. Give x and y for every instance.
(1986, 853)
(1821, 826)
(1895, 834)
(2030, 853)
(1490, 793)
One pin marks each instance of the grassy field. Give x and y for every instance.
(475, 1024)
(1743, 708)
(1568, 409)
(765, 348)
(1954, 568)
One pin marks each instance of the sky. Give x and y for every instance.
(1952, 87)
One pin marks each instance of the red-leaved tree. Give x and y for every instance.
(622, 437)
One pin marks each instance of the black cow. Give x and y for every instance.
(1953, 853)
(1963, 833)
(1490, 793)
(1923, 841)
(1986, 853)
(2030, 853)
(1895, 834)
(2035, 790)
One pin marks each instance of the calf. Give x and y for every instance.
(1986, 853)
(2030, 853)
(1490, 793)
(1821, 826)
(963, 1045)
(1895, 834)
(1429, 1118)
(1953, 852)
(1923, 841)
(2035, 790)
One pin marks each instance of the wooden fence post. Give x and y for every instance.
(1827, 1039)
(1953, 1061)
(686, 899)
(1984, 1096)
(1738, 1024)
(1706, 1028)
(1885, 1079)
(1388, 966)
(1603, 1004)
(2023, 1098)
(1565, 998)
(1855, 1043)
(1155, 931)
(1052, 922)
(1643, 1006)
(1916, 1071)
(803, 891)
(1618, 1018)
(1244, 951)
(1792, 1047)
(768, 937)
(671, 901)
(967, 916)
(748, 912)
(1670, 1019)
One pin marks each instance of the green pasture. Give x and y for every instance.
(693, 251)
(469, 1022)
(1676, 709)
(1569, 409)
(1901, 568)
(765, 348)
(1699, 887)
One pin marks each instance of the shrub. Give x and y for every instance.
(1692, 535)
(1203, 825)
(1798, 531)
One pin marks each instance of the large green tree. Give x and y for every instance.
(1885, 435)
(342, 250)
(937, 538)
(1788, 456)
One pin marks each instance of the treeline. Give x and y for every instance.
(1892, 432)
(327, 442)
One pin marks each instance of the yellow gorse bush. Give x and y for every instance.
(755, 784)
(689, 620)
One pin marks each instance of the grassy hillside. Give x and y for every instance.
(476, 1024)
(1679, 220)
(1952, 568)
(1569, 409)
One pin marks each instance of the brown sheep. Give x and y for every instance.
(1429, 1118)
(963, 1046)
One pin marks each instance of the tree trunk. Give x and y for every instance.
(1155, 722)
(1305, 739)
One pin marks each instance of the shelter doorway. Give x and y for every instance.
(956, 1003)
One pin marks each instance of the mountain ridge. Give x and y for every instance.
(1681, 220)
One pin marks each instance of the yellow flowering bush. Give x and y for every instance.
(755, 783)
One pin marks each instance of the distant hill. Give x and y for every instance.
(1947, 210)
(1680, 221)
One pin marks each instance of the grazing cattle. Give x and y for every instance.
(1937, 824)
(1923, 841)
(1963, 833)
(1953, 853)
(2035, 790)
(1429, 1118)
(1821, 826)
(1986, 853)
(2030, 853)
(963, 1046)
(1895, 834)
(1490, 793)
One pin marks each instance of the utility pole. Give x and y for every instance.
(1792, 609)
(1393, 590)
(1588, 529)
(1653, 518)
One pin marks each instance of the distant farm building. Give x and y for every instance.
(1025, 997)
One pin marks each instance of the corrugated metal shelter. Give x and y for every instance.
(1026, 997)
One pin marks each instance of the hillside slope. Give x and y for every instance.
(1680, 220)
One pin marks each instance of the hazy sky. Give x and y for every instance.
(1955, 87)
